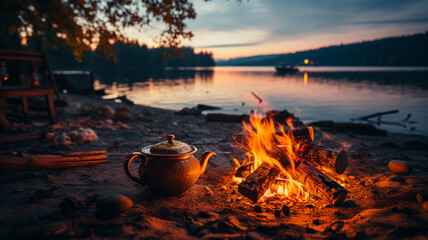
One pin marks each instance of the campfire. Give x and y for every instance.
(281, 160)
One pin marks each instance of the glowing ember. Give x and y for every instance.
(262, 135)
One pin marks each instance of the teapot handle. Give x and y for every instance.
(127, 163)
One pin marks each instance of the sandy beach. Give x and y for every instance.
(61, 204)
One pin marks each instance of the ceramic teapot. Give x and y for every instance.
(168, 167)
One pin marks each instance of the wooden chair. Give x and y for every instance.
(25, 91)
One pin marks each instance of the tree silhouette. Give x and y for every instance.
(82, 24)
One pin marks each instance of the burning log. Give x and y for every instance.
(317, 183)
(258, 182)
(333, 159)
(41, 162)
(300, 135)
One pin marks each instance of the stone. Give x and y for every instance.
(123, 116)
(108, 111)
(399, 167)
(257, 209)
(277, 213)
(285, 210)
(422, 197)
(112, 206)
(425, 206)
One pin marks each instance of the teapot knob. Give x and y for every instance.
(171, 139)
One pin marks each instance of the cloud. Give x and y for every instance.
(278, 22)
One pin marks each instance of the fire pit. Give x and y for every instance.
(283, 162)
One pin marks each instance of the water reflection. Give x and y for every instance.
(316, 95)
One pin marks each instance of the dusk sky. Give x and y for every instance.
(230, 29)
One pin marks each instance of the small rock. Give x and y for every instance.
(112, 206)
(399, 167)
(316, 222)
(411, 181)
(195, 227)
(123, 116)
(425, 205)
(349, 203)
(285, 210)
(109, 121)
(49, 136)
(257, 209)
(277, 213)
(310, 206)
(422, 197)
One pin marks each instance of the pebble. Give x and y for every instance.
(425, 205)
(286, 210)
(316, 222)
(277, 213)
(123, 116)
(257, 209)
(112, 206)
(422, 197)
(399, 167)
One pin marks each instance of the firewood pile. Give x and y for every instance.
(309, 158)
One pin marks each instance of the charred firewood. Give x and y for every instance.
(333, 159)
(317, 183)
(300, 135)
(258, 182)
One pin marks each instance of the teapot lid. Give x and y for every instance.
(170, 147)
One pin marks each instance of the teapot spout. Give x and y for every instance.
(203, 160)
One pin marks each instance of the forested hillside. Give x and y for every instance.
(395, 51)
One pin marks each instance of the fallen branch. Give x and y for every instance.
(256, 96)
(21, 137)
(376, 115)
(12, 163)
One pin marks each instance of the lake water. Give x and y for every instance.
(315, 93)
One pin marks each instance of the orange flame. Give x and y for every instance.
(263, 137)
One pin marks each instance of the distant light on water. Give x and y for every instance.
(305, 78)
(306, 61)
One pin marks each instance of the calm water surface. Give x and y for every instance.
(315, 93)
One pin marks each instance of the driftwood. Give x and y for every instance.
(21, 137)
(258, 182)
(219, 117)
(26, 162)
(333, 159)
(357, 128)
(379, 114)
